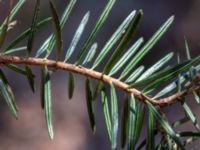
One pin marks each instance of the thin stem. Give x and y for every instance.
(98, 76)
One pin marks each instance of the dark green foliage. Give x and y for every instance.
(137, 123)
(113, 39)
(185, 106)
(191, 71)
(4, 33)
(30, 78)
(151, 132)
(24, 34)
(156, 66)
(132, 123)
(16, 69)
(51, 40)
(14, 11)
(135, 74)
(182, 77)
(167, 73)
(7, 94)
(33, 27)
(106, 112)
(46, 93)
(147, 47)
(114, 117)
(77, 36)
(57, 31)
(96, 28)
(26, 72)
(5, 26)
(90, 54)
(165, 125)
(131, 29)
(123, 60)
(90, 108)
(124, 122)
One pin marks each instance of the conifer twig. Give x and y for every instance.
(99, 76)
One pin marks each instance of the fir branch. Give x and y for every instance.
(101, 77)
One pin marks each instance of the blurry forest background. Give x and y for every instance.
(71, 124)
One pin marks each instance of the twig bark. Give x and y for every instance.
(98, 76)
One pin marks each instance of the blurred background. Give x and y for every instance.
(71, 123)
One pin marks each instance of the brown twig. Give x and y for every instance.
(98, 76)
